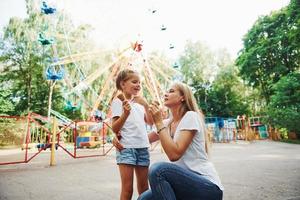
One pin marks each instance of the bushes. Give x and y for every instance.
(11, 132)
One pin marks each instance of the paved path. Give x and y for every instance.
(259, 170)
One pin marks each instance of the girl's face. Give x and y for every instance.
(131, 86)
(173, 97)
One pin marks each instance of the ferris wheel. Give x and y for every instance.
(79, 84)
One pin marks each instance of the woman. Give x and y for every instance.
(189, 175)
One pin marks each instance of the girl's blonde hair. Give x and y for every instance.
(190, 104)
(124, 75)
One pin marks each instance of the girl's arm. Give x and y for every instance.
(153, 137)
(118, 122)
(148, 117)
(143, 102)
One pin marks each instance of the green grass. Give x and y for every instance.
(290, 141)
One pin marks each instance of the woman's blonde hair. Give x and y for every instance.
(190, 104)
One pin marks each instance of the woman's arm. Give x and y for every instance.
(175, 149)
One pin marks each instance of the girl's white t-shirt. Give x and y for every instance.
(133, 132)
(195, 157)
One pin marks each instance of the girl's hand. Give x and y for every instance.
(116, 142)
(140, 100)
(121, 97)
(126, 107)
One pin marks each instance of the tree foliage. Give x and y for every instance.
(271, 49)
(24, 60)
(197, 66)
(284, 108)
(215, 81)
(227, 94)
(22, 72)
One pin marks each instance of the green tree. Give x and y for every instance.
(271, 49)
(284, 108)
(198, 68)
(6, 107)
(218, 89)
(226, 97)
(22, 66)
(24, 60)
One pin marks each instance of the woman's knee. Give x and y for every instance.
(147, 195)
(156, 169)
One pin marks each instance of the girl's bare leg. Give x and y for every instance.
(126, 172)
(142, 178)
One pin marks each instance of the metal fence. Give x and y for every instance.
(23, 138)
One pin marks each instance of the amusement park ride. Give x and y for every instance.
(92, 132)
(130, 57)
(67, 71)
(84, 88)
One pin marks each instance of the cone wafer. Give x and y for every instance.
(121, 97)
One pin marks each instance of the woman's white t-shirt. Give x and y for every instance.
(133, 132)
(195, 157)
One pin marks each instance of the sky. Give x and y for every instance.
(117, 23)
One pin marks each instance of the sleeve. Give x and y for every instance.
(116, 108)
(191, 121)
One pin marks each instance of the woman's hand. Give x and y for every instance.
(156, 113)
(116, 142)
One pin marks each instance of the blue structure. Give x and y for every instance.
(222, 129)
(46, 9)
(163, 28)
(99, 115)
(263, 132)
(215, 123)
(260, 129)
(53, 73)
(81, 139)
(71, 106)
(45, 41)
(175, 65)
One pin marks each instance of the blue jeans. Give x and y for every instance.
(169, 182)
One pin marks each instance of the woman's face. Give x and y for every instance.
(173, 97)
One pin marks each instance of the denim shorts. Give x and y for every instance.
(134, 156)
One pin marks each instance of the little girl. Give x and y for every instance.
(129, 117)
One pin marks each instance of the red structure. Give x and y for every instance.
(36, 137)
